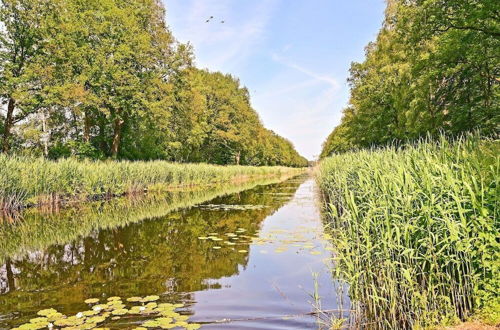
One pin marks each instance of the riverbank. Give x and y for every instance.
(415, 230)
(28, 181)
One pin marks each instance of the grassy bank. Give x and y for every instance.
(416, 230)
(27, 181)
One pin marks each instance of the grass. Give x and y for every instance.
(416, 230)
(27, 180)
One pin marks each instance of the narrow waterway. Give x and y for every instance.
(254, 259)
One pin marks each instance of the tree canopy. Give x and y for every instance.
(433, 68)
(106, 78)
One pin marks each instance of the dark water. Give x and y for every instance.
(264, 278)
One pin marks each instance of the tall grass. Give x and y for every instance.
(25, 180)
(416, 229)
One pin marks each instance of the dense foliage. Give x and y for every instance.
(416, 230)
(106, 78)
(433, 68)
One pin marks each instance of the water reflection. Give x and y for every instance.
(129, 247)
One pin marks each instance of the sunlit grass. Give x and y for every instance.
(415, 229)
(26, 180)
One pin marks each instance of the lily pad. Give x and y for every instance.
(120, 311)
(134, 299)
(92, 301)
(115, 298)
(45, 312)
(150, 298)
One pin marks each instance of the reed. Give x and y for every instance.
(28, 180)
(416, 229)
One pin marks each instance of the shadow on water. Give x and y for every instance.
(130, 247)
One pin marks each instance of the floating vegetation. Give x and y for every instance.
(151, 315)
(226, 207)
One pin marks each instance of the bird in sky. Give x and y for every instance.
(222, 22)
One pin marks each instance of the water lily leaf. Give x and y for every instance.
(202, 237)
(120, 311)
(151, 324)
(134, 299)
(164, 320)
(193, 326)
(150, 298)
(135, 310)
(92, 301)
(95, 319)
(99, 307)
(179, 305)
(216, 247)
(242, 251)
(115, 298)
(38, 320)
(45, 312)
(90, 313)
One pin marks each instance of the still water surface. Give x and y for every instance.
(272, 248)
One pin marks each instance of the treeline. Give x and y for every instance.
(106, 78)
(433, 68)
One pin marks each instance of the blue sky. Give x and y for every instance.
(292, 55)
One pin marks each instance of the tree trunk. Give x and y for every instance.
(10, 275)
(117, 132)
(8, 124)
(45, 135)
(238, 156)
(86, 128)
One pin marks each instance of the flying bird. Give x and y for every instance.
(208, 20)
(222, 22)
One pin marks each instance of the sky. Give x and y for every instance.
(292, 55)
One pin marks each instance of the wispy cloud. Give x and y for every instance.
(321, 77)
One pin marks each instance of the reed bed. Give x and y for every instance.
(28, 181)
(416, 230)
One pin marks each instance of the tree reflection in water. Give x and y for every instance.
(129, 247)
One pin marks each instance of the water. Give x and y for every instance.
(273, 253)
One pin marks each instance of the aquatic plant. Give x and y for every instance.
(145, 312)
(28, 180)
(415, 229)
